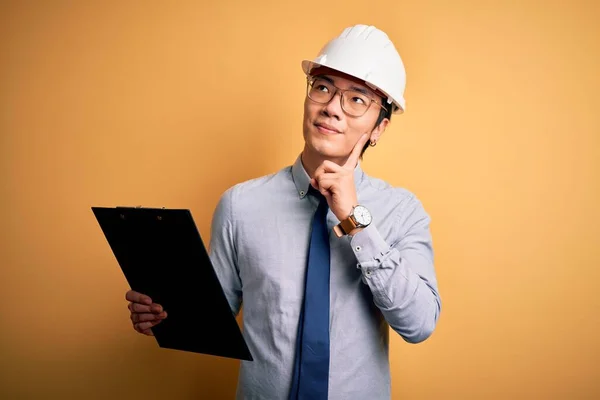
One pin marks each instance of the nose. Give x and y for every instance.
(333, 109)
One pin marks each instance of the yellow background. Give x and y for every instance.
(170, 103)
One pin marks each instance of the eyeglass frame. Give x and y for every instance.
(311, 79)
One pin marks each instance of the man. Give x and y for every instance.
(324, 257)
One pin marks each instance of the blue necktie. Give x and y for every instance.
(311, 367)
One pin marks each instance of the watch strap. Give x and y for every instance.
(345, 227)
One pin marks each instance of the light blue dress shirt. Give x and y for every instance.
(382, 276)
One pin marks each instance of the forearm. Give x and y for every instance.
(402, 280)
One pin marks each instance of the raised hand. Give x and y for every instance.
(336, 182)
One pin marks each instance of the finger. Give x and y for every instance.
(355, 154)
(317, 181)
(330, 166)
(318, 172)
(156, 308)
(145, 317)
(326, 183)
(327, 167)
(148, 331)
(314, 181)
(136, 308)
(142, 326)
(136, 297)
(325, 187)
(141, 308)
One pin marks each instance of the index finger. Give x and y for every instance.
(137, 297)
(355, 154)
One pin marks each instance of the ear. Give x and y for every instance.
(379, 130)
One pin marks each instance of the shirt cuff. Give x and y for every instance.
(369, 247)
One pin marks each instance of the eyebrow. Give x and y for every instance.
(355, 88)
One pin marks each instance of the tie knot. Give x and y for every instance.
(322, 200)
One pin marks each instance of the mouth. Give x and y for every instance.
(325, 128)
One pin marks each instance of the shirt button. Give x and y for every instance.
(302, 193)
(368, 272)
(358, 248)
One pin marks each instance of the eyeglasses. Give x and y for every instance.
(353, 102)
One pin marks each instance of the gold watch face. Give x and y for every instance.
(362, 216)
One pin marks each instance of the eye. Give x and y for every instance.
(322, 88)
(358, 100)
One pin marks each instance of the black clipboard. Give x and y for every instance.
(161, 253)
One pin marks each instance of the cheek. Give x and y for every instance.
(357, 128)
(366, 124)
(310, 110)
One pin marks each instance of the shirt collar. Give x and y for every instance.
(302, 180)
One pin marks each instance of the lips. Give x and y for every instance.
(326, 128)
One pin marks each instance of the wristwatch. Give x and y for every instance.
(360, 217)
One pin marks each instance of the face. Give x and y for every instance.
(329, 131)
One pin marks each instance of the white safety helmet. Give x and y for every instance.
(366, 53)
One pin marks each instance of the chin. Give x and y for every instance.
(327, 146)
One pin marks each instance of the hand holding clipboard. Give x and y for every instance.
(164, 260)
(144, 313)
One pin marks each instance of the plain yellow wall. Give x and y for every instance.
(170, 103)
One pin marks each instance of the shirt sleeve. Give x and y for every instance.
(401, 274)
(222, 251)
